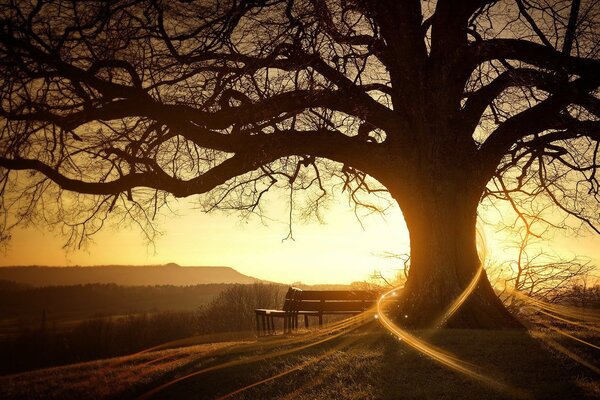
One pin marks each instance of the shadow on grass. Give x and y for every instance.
(371, 364)
(521, 363)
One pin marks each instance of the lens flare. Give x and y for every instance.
(559, 310)
(443, 357)
(460, 299)
(567, 315)
(568, 321)
(464, 295)
(562, 349)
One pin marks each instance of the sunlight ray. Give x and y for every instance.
(240, 346)
(443, 357)
(343, 327)
(565, 333)
(568, 312)
(323, 377)
(347, 342)
(581, 325)
(281, 374)
(460, 299)
(564, 311)
(562, 349)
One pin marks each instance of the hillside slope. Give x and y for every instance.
(367, 364)
(125, 275)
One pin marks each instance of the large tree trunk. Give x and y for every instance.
(441, 218)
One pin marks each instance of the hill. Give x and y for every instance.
(364, 364)
(125, 275)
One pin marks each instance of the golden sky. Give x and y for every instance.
(338, 251)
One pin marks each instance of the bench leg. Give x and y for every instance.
(262, 321)
(272, 320)
(306, 321)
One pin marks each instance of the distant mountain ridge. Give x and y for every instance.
(126, 275)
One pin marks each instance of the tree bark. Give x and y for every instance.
(441, 216)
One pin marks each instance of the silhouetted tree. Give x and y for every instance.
(538, 271)
(115, 105)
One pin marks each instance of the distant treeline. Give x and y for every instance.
(232, 310)
(25, 306)
(582, 296)
(19, 300)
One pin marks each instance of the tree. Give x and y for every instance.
(115, 106)
(538, 272)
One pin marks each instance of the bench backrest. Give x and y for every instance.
(292, 298)
(329, 300)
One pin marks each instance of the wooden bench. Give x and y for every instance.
(313, 303)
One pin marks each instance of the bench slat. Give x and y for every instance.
(338, 295)
(335, 305)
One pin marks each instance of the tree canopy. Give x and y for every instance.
(187, 97)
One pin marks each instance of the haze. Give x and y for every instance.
(336, 251)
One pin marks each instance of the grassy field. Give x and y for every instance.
(357, 363)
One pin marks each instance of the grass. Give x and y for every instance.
(367, 363)
(118, 377)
